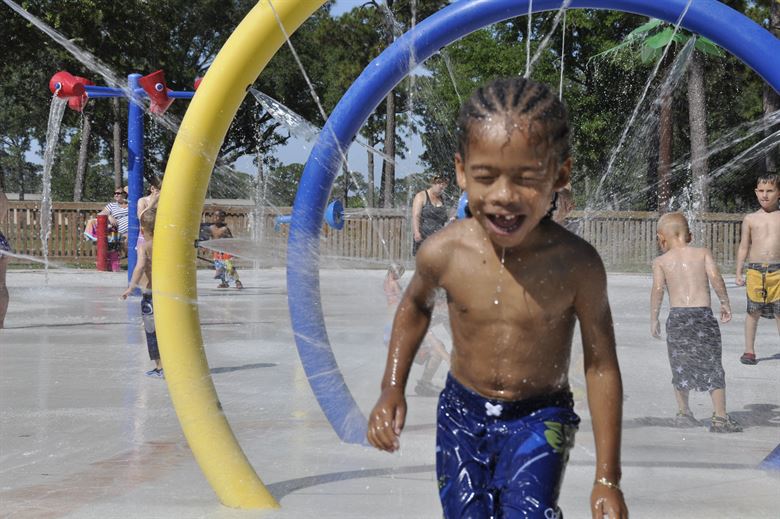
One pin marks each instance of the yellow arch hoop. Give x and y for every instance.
(236, 67)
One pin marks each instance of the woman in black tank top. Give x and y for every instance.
(429, 214)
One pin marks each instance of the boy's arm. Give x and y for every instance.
(138, 271)
(656, 298)
(743, 249)
(604, 387)
(716, 280)
(409, 328)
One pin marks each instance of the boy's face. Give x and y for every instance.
(768, 196)
(218, 217)
(510, 180)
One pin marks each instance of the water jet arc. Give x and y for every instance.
(728, 28)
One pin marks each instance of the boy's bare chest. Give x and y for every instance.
(520, 296)
(765, 235)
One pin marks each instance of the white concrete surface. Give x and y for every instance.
(83, 433)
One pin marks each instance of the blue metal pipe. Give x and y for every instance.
(180, 94)
(726, 27)
(95, 91)
(135, 171)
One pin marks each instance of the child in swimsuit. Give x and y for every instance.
(516, 282)
(760, 246)
(224, 269)
(4, 247)
(142, 278)
(692, 333)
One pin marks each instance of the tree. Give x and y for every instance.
(653, 38)
(282, 184)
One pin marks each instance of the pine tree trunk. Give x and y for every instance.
(665, 133)
(81, 165)
(117, 145)
(697, 118)
(388, 186)
(388, 171)
(652, 169)
(370, 176)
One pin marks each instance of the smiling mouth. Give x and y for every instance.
(506, 224)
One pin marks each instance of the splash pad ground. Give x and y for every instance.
(84, 434)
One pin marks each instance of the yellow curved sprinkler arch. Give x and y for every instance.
(202, 131)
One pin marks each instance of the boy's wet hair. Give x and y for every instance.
(438, 179)
(147, 221)
(674, 224)
(769, 179)
(518, 98)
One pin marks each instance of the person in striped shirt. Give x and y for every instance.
(117, 217)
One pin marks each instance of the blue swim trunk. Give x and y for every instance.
(499, 458)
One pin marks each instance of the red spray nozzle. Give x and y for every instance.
(78, 103)
(64, 84)
(155, 87)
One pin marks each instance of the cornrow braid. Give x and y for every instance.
(517, 98)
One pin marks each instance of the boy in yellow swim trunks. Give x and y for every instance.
(760, 246)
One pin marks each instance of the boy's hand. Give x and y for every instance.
(740, 281)
(387, 420)
(655, 329)
(725, 313)
(609, 502)
(126, 293)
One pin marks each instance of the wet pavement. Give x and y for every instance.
(83, 433)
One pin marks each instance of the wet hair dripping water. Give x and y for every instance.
(514, 99)
(518, 99)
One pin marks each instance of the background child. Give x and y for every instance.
(432, 352)
(760, 245)
(516, 282)
(142, 277)
(224, 268)
(692, 333)
(4, 247)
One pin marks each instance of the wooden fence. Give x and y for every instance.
(625, 240)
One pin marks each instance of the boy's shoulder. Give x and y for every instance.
(570, 243)
(749, 217)
(446, 240)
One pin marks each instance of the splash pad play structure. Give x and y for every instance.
(79, 90)
(239, 63)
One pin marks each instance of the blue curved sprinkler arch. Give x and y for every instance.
(728, 28)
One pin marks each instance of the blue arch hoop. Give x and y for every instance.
(728, 28)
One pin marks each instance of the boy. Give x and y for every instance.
(516, 282)
(225, 271)
(692, 333)
(142, 277)
(4, 247)
(760, 245)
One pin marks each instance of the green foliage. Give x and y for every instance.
(282, 184)
(602, 80)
